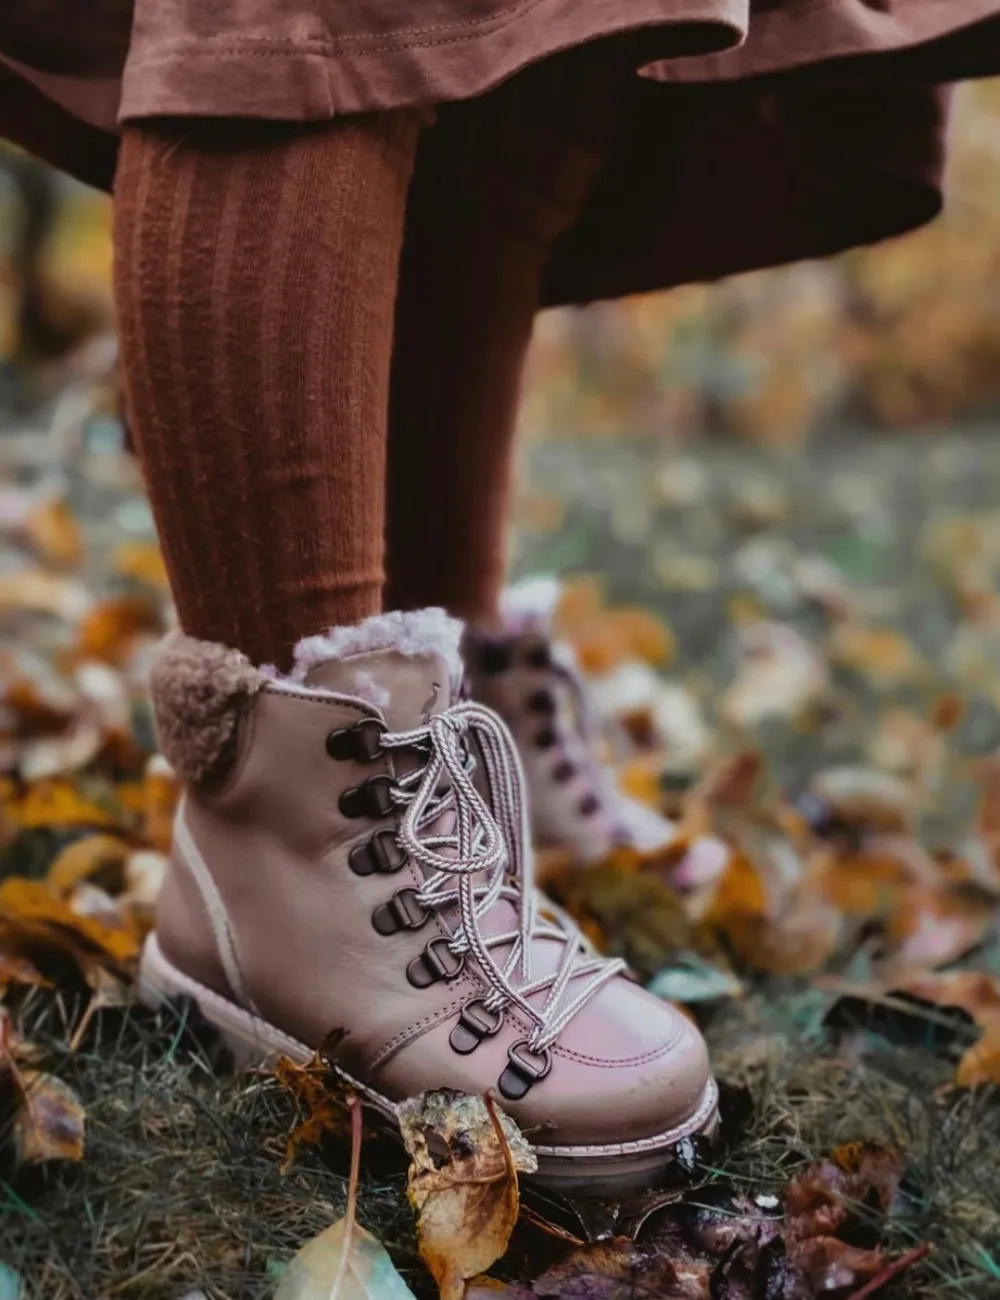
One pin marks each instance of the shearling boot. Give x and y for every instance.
(336, 870)
(530, 679)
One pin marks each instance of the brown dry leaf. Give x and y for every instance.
(800, 940)
(467, 1199)
(53, 531)
(18, 970)
(860, 885)
(932, 928)
(49, 1124)
(107, 632)
(818, 1204)
(30, 911)
(142, 561)
(100, 858)
(324, 1098)
(608, 1270)
(620, 900)
(885, 657)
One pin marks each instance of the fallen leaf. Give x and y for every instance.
(98, 858)
(59, 803)
(979, 994)
(880, 654)
(344, 1262)
(779, 675)
(36, 591)
(106, 633)
(29, 912)
(10, 1283)
(161, 793)
(319, 1092)
(49, 1123)
(866, 799)
(142, 561)
(932, 928)
(18, 970)
(54, 533)
(613, 1269)
(465, 1155)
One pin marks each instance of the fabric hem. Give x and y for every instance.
(322, 78)
(815, 32)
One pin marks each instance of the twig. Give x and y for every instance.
(352, 1195)
(890, 1271)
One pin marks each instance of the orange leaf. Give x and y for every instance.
(143, 562)
(55, 534)
(107, 631)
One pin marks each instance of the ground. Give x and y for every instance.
(796, 652)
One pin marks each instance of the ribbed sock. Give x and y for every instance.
(256, 267)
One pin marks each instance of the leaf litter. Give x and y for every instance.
(828, 912)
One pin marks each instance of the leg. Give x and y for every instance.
(255, 275)
(498, 181)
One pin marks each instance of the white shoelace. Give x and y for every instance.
(485, 858)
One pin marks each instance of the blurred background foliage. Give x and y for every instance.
(902, 336)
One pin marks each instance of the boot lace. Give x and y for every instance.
(479, 856)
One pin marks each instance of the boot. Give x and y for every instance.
(531, 680)
(336, 873)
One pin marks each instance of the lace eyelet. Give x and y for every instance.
(372, 798)
(524, 1069)
(541, 702)
(475, 1023)
(436, 962)
(381, 855)
(403, 911)
(359, 743)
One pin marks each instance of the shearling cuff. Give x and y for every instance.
(199, 690)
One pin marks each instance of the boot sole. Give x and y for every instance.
(612, 1169)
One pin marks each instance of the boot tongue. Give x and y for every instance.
(407, 689)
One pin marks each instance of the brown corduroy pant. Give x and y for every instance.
(324, 413)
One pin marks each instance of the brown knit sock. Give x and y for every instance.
(498, 180)
(255, 272)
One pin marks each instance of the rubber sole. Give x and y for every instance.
(607, 1170)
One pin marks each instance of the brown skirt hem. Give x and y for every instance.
(299, 80)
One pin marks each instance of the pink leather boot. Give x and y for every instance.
(336, 868)
(531, 680)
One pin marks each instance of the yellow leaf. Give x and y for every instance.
(28, 907)
(143, 562)
(646, 636)
(981, 1063)
(96, 855)
(56, 802)
(468, 1205)
(160, 793)
(49, 1124)
(55, 534)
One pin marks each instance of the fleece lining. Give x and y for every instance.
(201, 688)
